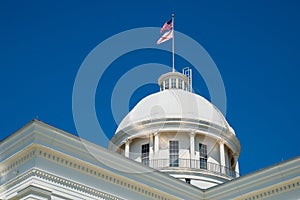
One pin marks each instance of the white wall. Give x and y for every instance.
(136, 148)
(213, 149)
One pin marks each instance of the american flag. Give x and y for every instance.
(167, 26)
(168, 35)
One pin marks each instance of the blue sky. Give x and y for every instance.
(255, 45)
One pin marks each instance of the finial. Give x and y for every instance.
(173, 15)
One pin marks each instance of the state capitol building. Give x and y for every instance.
(174, 144)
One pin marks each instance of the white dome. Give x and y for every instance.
(174, 104)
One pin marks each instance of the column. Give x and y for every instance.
(192, 150)
(151, 147)
(127, 143)
(156, 143)
(237, 170)
(192, 145)
(222, 157)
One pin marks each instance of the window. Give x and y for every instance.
(173, 83)
(145, 154)
(174, 153)
(167, 84)
(161, 87)
(180, 84)
(203, 156)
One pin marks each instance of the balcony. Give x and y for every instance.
(193, 164)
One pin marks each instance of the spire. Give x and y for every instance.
(173, 45)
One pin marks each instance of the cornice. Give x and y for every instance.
(197, 173)
(178, 125)
(271, 177)
(63, 182)
(130, 182)
(73, 164)
(273, 190)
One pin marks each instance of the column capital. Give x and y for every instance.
(221, 141)
(156, 133)
(128, 140)
(235, 155)
(192, 133)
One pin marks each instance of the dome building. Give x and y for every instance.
(170, 133)
(180, 133)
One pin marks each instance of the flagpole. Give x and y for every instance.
(173, 67)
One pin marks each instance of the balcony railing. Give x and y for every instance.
(193, 164)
